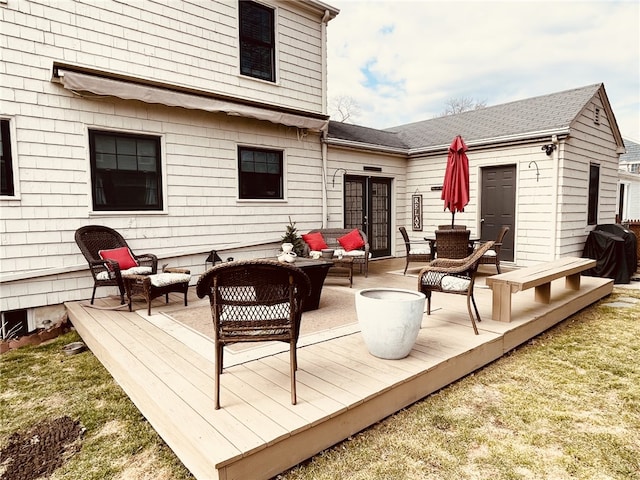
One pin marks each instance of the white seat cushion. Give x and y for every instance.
(454, 284)
(448, 283)
(106, 275)
(420, 251)
(490, 253)
(164, 279)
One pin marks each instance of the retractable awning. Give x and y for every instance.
(83, 84)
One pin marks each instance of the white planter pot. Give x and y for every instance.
(390, 320)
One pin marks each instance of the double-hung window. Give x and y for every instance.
(6, 174)
(260, 173)
(257, 41)
(125, 171)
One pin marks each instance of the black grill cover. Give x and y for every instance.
(608, 250)
(630, 243)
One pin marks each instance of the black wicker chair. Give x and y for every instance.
(255, 301)
(422, 255)
(93, 238)
(453, 276)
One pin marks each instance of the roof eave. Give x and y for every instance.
(349, 144)
(504, 140)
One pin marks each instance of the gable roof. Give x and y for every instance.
(537, 117)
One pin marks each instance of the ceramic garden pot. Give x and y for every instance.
(390, 320)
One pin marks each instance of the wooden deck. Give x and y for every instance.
(167, 371)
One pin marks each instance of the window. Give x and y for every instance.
(6, 161)
(260, 174)
(125, 171)
(594, 186)
(257, 41)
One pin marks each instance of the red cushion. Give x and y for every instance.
(122, 255)
(315, 241)
(351, 241)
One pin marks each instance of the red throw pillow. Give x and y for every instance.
(122, 255)
(315, 241)
(351, 241)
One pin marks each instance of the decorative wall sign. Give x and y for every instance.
(416, 208)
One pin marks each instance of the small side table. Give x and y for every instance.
(154, 286)
(342, 267)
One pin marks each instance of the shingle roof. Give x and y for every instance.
(522, 117)
(633, 152)
(356, 133)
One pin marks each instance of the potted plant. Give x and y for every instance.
(291, 236)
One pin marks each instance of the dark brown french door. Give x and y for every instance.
(367, 205)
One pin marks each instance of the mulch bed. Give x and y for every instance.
(41, 450)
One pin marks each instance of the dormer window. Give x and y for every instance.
(257, 41)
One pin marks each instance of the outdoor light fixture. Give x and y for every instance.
(549, 148)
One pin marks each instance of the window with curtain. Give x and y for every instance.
(260, 173)
(6, 172)
(257, 41)
(594, 187)
(125, 171)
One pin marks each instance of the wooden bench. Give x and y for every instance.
(538, 276)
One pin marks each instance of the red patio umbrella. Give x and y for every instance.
(455, 190)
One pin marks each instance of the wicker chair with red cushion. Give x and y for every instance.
(109, 255)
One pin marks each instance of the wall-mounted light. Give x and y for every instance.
(549, 148)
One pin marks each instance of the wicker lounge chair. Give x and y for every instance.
(492, 257)
(422, 254)
(255, 301)
(453, 276)
(91, 239)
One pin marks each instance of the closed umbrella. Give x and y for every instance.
(455, 190)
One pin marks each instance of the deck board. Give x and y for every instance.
(167, 369)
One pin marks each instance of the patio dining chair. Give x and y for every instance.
(452, 243)
(109, 257)
(421, 254)
(455, 276)
(255, 301)
(492, 257)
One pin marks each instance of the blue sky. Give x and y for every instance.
(400, 61)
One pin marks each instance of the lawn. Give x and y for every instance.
(564, 405)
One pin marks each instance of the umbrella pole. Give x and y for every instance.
(453, 216)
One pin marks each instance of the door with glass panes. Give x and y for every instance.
(367, 205)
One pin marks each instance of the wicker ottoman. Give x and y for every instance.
(153, 286)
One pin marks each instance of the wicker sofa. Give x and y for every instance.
(331, 236)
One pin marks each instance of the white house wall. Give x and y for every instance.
(191, 44)
(631, 200)
(194, 45)
(352, 161)
(587, 143)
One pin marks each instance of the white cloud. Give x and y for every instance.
(401, 60)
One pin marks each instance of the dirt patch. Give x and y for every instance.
(40, 451)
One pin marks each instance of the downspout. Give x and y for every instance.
(323, 133)
(325, 210)
(556, 197)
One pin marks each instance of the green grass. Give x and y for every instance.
(565, 405)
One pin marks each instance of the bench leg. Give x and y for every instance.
(543, 293)
(501, 304)
(572, 282)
